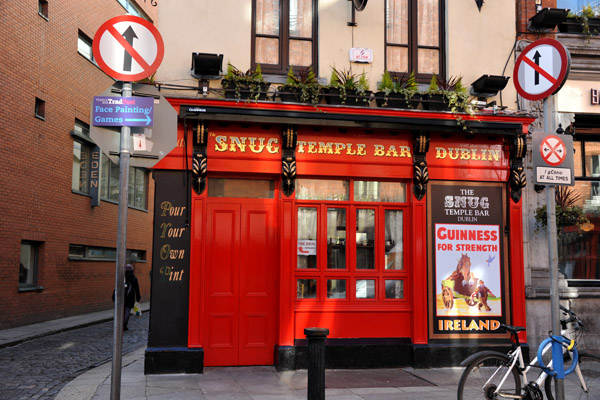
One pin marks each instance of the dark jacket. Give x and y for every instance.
(132, 289)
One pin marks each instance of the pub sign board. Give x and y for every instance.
(468, 294)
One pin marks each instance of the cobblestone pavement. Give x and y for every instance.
(39, 368)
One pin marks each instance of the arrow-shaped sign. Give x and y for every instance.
(147, 119)
(128, 35)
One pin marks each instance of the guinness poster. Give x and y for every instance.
(468, 276)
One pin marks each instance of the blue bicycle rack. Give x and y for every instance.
(558, 367)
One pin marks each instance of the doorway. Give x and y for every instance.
(240, 281)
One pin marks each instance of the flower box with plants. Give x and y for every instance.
(586, 23)
(248, 85)
(347, 88)
(397, 92)
(301, 86)
(446, 95)
(568, 212)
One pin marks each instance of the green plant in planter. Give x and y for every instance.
(250, 82)
(588, 13)
(348, 83)
(393, 86)
(454, 94)
(568, 213)
(302, 84)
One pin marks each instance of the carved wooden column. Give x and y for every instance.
(421, 173)
(517, 179)
(199, 160)
(288, 157)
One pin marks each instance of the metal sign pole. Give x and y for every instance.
(552, 247)
(124, 153)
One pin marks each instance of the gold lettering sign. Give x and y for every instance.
(258, 145)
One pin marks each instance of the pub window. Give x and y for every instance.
(84, 46)
(578, 221)
(350, 241)
(109, 183)
(40, 109)
(43, 8)
(29, 263)
(82, 157)
(284, 34)
(414, 37)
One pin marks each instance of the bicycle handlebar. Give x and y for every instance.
(577, 323)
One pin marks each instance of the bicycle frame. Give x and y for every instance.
(516, 355)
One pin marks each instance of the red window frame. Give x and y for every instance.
(351, 274)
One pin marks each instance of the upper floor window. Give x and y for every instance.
(40, 108)
(284, 34)
(414, 37)
(84, 46)
(133, 9)
(43, 8)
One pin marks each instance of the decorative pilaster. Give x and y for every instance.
(288, 159)
(199, 160)
(517, 179)
(421, 173)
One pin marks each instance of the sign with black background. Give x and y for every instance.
(169, 302)
(467, 273)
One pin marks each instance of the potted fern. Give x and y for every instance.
(300, 87)
(397, 92)
(249, 85)
(347, 88)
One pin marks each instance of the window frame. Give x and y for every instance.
(40, 109)
(87, 253)
(43, 9)
(322, 273)
(81, 136)
(413, 42)
(283, 66)
(107, 180)
(35, 252)
(82, 37)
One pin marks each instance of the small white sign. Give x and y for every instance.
(360, 55)
(553, 176)
(139, 142)
(307, 247)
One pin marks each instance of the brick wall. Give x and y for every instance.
(40, 59)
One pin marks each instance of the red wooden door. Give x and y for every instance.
(240, 296)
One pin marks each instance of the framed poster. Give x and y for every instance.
(468, 275)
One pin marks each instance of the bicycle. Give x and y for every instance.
(496, 375)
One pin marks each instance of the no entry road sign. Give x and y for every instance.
(541, 69)
(553, 159)
(128, 48)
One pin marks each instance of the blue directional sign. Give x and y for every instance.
(122, 111)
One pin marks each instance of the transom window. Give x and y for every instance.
(284, 34)
(413, 37)
(350, 240)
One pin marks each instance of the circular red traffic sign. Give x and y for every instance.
(128, 48)
(541, 69)
(553, 150)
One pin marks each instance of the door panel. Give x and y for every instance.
(241, 275)
(257, 297)
(222, 284)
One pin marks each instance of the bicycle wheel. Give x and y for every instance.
(590, 369)
(482, 377)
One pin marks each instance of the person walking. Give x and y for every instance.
(132, 293)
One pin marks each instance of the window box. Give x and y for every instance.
(577, 25)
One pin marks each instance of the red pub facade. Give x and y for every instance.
(400, 231)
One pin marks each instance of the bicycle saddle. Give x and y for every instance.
(513, 329)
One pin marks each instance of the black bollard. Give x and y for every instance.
(316, 362)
